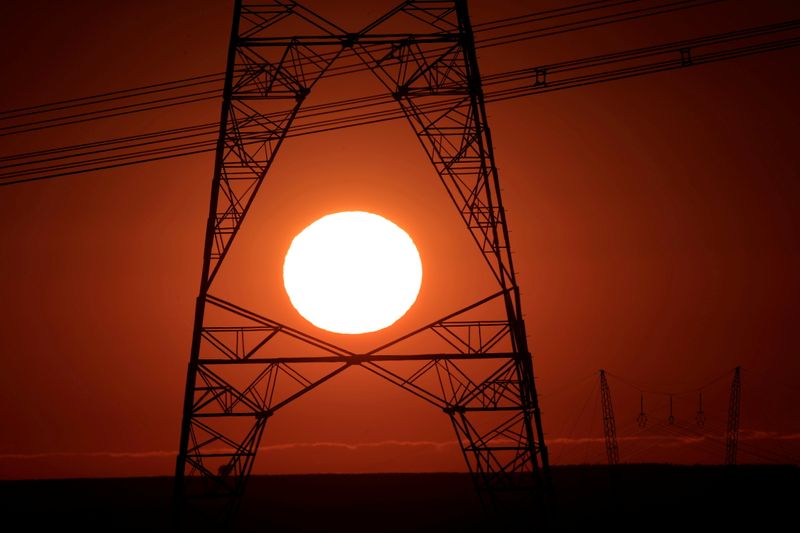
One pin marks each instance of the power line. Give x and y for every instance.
(118, 111)
(596, 22)
(548, 14)
(338, 70)
(373, 109)
(108, 142)
(681, 392)
(113, 96)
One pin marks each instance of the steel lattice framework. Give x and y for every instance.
(734, 410)
(479, 372)
(609, 422)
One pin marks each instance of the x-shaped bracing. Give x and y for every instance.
(476, 370)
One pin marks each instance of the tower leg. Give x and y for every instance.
(734, 407)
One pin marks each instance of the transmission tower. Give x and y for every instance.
(734, 407)
(609, 423)
(479, 371)
(641, 418)
(700, 416)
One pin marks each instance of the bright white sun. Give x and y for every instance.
(352, 272)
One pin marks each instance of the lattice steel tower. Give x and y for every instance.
(734, 410)
(479, 371)
(609, 422)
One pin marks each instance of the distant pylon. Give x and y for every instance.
(734, 408)
(700, 417)
(641, 418)
(609, 423)
(671, 417)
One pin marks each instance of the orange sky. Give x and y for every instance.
(654, 222)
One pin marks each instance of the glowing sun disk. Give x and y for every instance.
(352, 272)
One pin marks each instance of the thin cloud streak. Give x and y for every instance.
(437, 445)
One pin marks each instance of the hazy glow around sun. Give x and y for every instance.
(352, 272)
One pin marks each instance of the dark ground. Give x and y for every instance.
(627, 498)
